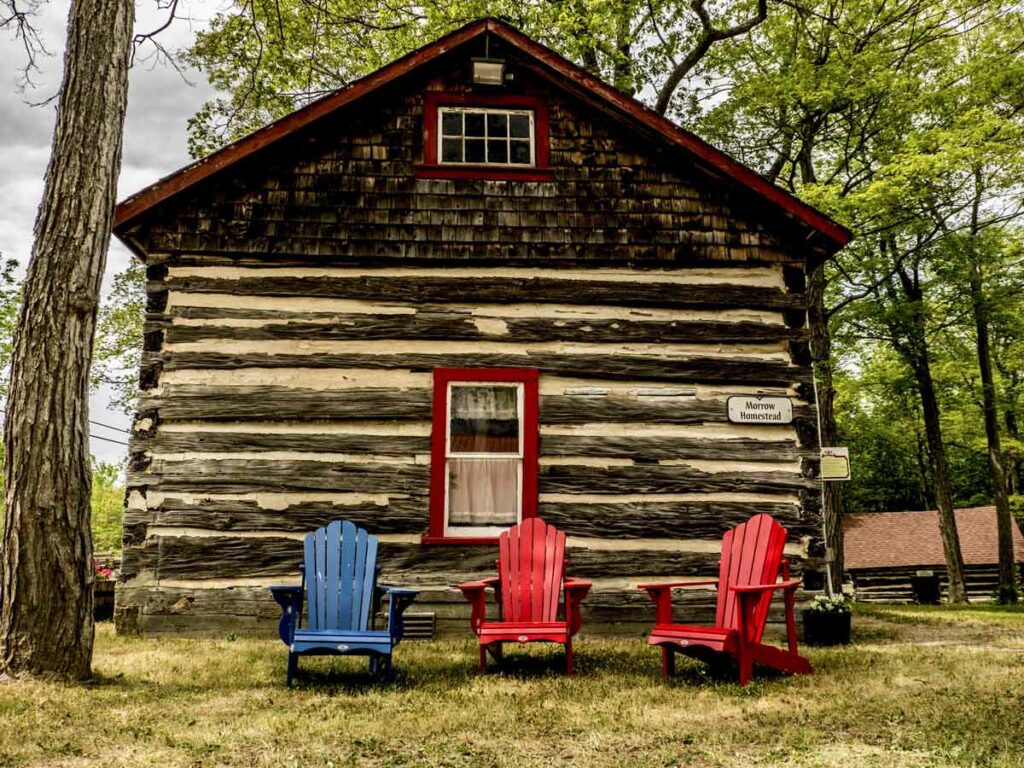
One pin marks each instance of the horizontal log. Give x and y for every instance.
(498, 290)
(654, 519)
(231, 476)
(646, 478)
(705, 449)
(769, 373)
(191, 402)
(465, 327)
(408, 445)
(192, 442)
(397, 516)
(442, 257)
(198, 476)
(227, 557)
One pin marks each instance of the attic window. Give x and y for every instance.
(485, 136)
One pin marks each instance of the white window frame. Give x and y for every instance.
(532, 138)
(472, 531)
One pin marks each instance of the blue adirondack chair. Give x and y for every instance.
(339, 581)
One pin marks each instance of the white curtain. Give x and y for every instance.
(483, 491)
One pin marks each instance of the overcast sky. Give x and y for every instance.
(160, 102)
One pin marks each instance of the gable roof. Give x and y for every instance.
(550, 64)
(908, 539)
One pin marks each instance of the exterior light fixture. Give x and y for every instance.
(489, 71)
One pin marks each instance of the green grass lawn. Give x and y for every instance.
(922, 687)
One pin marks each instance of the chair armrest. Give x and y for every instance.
(290, 600)
(471, 586)
(674, 584)
(575, 591)
(475, 592)
(748, 588)
(398, 600)
(661, 594)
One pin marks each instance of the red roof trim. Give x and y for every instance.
(584, 82)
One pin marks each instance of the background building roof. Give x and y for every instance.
(900, 539)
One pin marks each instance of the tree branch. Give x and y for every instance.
(709, 35)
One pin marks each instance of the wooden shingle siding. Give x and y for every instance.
(297, 308)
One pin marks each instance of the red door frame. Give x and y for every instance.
(528, 377)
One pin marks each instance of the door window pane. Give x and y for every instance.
(483, 492)
(484, 419)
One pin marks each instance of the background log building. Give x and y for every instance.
(597, 279)
(884, 551)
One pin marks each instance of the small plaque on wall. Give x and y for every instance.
(760, 410)
(835, 463)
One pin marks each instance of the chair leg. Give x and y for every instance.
(568, 658)
(293, 669)
(745, 662)
(668, 661)
(388, 675)
(483, 659)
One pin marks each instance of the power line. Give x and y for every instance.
(97, 437)
(108, 426)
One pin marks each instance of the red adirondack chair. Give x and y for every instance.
(747, 577)
(531, 574)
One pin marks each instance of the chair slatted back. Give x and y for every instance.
(340, 576)
(751, 554)
(531, 564)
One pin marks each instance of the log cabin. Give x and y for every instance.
(892, 556)
(475, 286)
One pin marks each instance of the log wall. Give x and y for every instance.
(296, 311)
(893, 585)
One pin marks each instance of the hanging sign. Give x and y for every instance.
(835, 463)
(760, 410)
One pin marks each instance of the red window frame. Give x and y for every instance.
(431, 168)
(528, 377)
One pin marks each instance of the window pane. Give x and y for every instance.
(497, 125)
(483, 491)
(497, 151)
(520, 152)
(474, 150)
(484, 419)
(519, 125)
(451, 124)
(451, 150)
(474, 123)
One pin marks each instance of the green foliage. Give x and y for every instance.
(271, 57)
(107, 506)
(118, 350)
(10, 303)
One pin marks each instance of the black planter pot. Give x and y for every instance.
(822, 628)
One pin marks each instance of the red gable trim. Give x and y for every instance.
(582, 83)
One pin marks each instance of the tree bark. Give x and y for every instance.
(46, 571)
(1004, 520)
(832, 502)
(914, 349)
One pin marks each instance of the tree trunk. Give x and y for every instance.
(832, 503)
(1004, 520)
(915, 351)
(46, 571)
(1016, 466)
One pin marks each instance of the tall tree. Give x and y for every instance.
(46, 624)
